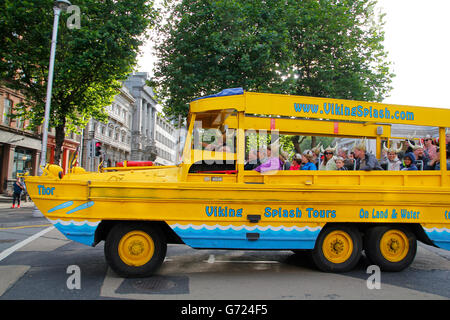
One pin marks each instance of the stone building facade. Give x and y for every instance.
(136, 129)
(143, 145)
(165, 138)
(114, 135)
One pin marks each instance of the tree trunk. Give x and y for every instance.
(297, 143)
(59, 140)
(313, 142)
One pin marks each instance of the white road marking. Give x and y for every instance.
(247, 261)
(212, 259)
(23, 243)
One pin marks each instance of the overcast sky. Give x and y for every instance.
(417, 39)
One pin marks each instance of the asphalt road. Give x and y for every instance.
(37, 262)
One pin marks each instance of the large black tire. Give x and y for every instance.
(337, 249)
(392, 248)
(135, 249)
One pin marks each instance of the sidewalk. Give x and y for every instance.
(19, 217)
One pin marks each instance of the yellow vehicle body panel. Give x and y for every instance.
(327, 108)
(249, 210)
(283, 202)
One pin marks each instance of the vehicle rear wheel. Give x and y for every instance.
(337, 249)
(135, 249)
(392, 248)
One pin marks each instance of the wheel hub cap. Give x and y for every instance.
(394, 245)
(337, 246)
(136, 248)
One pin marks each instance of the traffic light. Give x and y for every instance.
(98, 149)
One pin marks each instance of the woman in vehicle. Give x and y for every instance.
(296, 162)
(392, 161)
(435, 162)
(328, 162)
(271, 163)
(430, 148)
(307, 160)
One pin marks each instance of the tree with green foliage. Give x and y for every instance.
(325, 48)
(207, 46)
(90, 61)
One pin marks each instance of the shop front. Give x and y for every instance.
(19, 154)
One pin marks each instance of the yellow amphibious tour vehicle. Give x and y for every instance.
(210, 201)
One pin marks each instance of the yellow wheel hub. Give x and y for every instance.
(337, 246)
(394, 245)
(136, 248)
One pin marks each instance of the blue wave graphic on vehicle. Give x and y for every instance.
(80, 231)
(358, 111)
(439, 236)
(61, 206)
(235, 237)
(81, 207)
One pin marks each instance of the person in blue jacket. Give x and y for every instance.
(409, 162)
(17, 191)
(307, 161)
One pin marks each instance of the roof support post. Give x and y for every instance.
(240, 147)
(443, 160)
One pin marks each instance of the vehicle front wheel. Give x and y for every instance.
(135, 249)
(337, 249)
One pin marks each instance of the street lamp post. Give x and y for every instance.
(60, 5)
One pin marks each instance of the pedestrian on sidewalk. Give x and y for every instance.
(18, 187)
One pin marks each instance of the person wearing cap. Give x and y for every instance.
(307, 160)
(365, 160)
(421, 156)
(392, 162)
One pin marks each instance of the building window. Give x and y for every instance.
(22, 161)
(7, 111)
(20, 123)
